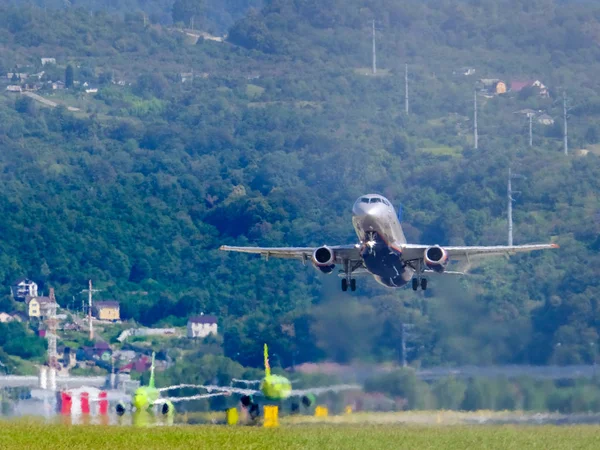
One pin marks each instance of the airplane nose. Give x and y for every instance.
(362, 210)
(139, 402)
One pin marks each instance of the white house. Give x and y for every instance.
(201, 326)
(48, 61)
(545, 119)
(23, 288)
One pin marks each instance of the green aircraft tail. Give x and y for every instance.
(267, 366)
(151, 383)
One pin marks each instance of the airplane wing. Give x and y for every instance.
(161, 400)
(232, 390)
(341, 252)
(416, 251)
(322, 390)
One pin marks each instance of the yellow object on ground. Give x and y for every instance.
(321, 411)
(232, 416)
(348, 409)
(271, 416)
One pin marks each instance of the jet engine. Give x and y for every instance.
(167, 408)
(121, 408)
(323, 259)
(308, 400)
(253, 409)
(436, 258)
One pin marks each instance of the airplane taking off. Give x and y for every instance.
(275, 388)
(382, 250)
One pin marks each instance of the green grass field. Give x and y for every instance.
(30, 435)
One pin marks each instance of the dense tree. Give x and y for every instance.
(187, 11)
(69, 76)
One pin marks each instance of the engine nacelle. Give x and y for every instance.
(323, 259)
(436, 258)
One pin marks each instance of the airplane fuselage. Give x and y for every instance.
(276, 387)
(381, 237)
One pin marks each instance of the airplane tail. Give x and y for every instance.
(151, 384)
(267, 366)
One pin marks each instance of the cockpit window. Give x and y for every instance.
(375, 200)
(364, 200)
(386, 202)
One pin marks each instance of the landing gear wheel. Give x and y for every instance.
(424, 284)
(353, 284)
(344, 284)
(415, 284)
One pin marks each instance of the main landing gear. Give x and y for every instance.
(347, 280)
(352, 284)
(419, 281)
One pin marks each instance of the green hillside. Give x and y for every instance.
(272, 141)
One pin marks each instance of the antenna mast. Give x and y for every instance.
(374, 51)
(51, 330)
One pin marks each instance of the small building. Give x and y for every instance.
(14, 88)
(17, 76)
(519, 85)
(545, 119)
(48, 61)
(493, 85)
(58, 85)
(201, 326)
(37, 306)
(5, 317)
(22, 288)
(106, 310)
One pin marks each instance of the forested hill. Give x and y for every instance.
(278, 132)
(213, 16)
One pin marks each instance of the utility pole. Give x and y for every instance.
(475, 134)
(530, 129)
(406, 88)
(510, 200)
(566, 135)
(89, 291)
(374, 51)
(405, 328)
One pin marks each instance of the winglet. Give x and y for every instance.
(267, 366)
(151, 383)
(554, 246)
